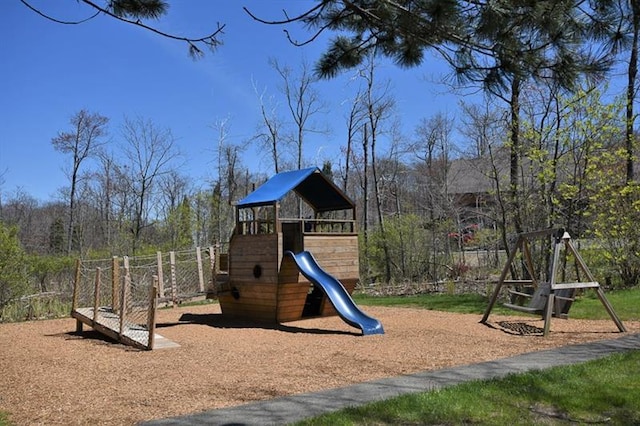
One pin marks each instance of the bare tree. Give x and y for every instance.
(225, 186)
(354, 124)
(149, 151)
(432, 147)
(20, 210)
(103, 192)
(482, 125)
(82, 142)
(269, 137)
(174, 190)
(378, 104)
(303, 102)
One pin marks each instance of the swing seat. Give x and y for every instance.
(563, 299)
(537, 300)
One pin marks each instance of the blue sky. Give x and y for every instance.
(51, 71)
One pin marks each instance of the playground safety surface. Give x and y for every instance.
(232, 372)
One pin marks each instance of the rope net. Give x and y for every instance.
(122, 293)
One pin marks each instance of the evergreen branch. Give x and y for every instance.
(209, 40)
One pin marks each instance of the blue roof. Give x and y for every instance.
(310, 184)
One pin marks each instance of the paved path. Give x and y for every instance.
(289, 409)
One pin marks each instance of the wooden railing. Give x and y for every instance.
(330, 226)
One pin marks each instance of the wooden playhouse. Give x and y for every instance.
(264, 282)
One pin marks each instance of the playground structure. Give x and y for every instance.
(119, 296)
(269, 273)
(538, 290)
(286, 269)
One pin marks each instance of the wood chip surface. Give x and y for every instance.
(50, 375)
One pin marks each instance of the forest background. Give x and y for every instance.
(544, 136)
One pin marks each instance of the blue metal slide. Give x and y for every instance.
(335, 291)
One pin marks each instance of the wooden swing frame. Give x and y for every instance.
(552, 298)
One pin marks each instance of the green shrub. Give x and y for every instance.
(13, 266)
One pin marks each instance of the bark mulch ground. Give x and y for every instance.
(51, 375)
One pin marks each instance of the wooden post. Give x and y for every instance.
(151, 315)
(610, 311)
(277, 225)
(96, 294)
(548, 312)
(160, 275)
(503, 275)
(124, 294)
(76, 285)
(599, 292)
(213, 256)
(174, 285)
(115, 282)
(200, 272)
(76, 289)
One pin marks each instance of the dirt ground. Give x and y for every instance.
(51, 375)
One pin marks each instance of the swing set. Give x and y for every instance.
(533, 292)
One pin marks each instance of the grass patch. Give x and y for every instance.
(199, 302)
(625, 303)
(4, 419)
(461, 303)
(35, 309)
(586, 306)
(603, 391)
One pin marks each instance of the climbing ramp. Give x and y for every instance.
(112, 303)
(548, 291)
(109, 323)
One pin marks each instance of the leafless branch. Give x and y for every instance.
(288, 19)
(210, 40)
(313, 12)
(58, 21)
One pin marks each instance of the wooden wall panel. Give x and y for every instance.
(247, 251)
(252, 305)
(291, 300)
(327, 307)
(288, 271)
(337, 255)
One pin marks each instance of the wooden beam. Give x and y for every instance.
(562, 286)
(503, 275)
(96, 293)
(76, 285)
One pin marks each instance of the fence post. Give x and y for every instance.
(115, 282)
(76, 289)
(174, 285)
(160, 275)
(124, 294)
(96, 294)
(200, 272)
(76, 285)
(151, 315)
(213, 253)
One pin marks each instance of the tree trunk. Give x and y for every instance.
(631, 82)
(514, 104)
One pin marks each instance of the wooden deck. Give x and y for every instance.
(108, 323)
